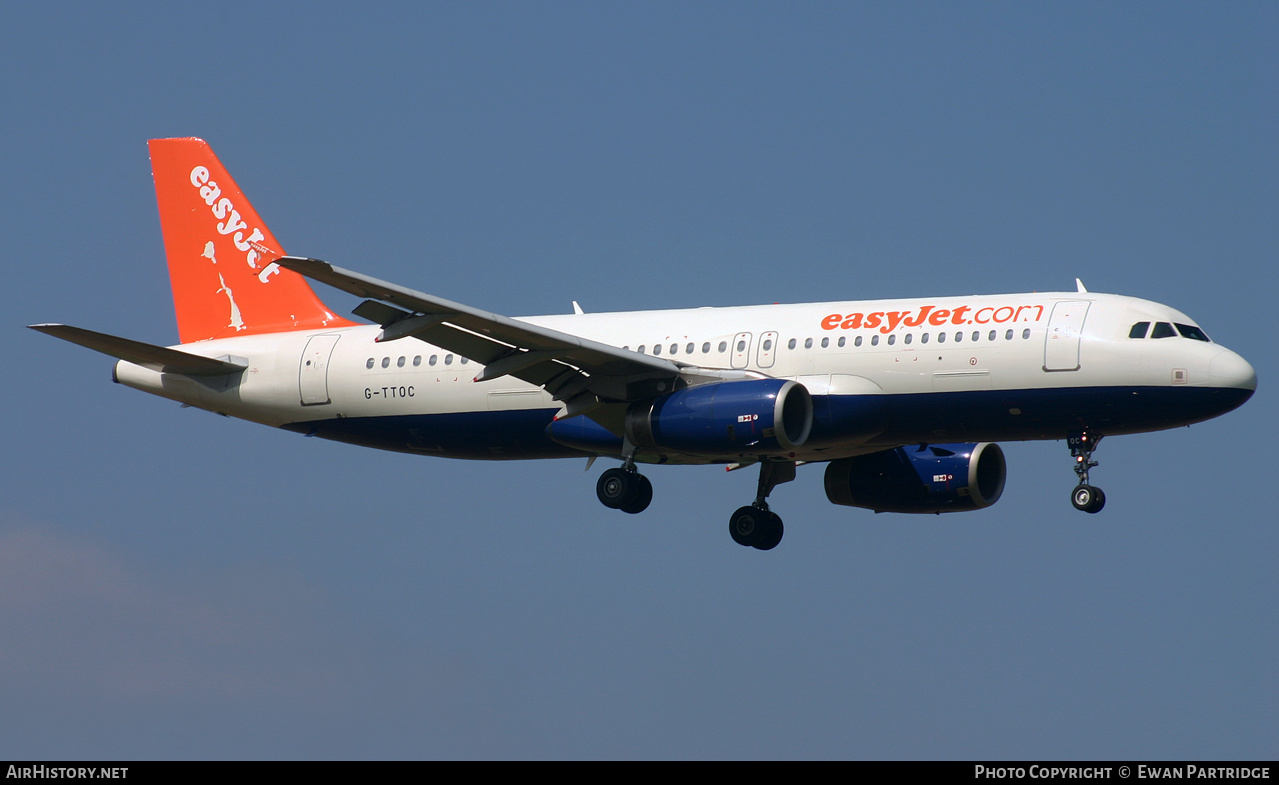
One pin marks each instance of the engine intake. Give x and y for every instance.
(935, 478)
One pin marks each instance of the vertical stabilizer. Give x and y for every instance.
(220, 253)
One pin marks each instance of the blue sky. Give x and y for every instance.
(174, 584)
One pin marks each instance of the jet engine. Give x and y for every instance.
(932, 478)
(757, 416)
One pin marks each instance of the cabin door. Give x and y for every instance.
(1065, 327)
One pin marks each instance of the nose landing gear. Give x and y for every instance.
(1085, 497)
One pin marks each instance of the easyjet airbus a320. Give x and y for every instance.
(902, 400)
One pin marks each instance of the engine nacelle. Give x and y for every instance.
(936, 478)
(758, 416)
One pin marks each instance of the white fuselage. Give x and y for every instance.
(972, 368)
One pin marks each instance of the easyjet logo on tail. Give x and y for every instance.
(887, 321)
(230, 223)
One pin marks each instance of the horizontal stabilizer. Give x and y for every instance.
(157, 358)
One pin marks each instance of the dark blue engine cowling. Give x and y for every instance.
(935, 478)
(755, 416)
(583, 433)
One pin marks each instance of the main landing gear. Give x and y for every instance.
(1085, 497)
(754, 525)
(624, 489)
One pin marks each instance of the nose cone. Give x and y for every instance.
(1232, 381)
(1230, 370)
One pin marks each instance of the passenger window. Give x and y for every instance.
(941, 337)
(976, 335)
(741, 346)
(923, 338)
(723, 346)
(433, 359)
(674, 348)
(417, 361)
(791, 345)
(657, 349)
(448, 359)
(706, 348)
(992, 335)
(908, 337)
(1163, 330)
(892, 339)
(768, 345)
(857, 341)
(641, 349)
(841, 342)
(369, 364)
(1139, 330)
(399, 363)
(1025, 334)
(958, 336)
(808, 343)
(1193, 333)
(386, 362)
(874, 340)
(688, 349)
(825, 343)
(1008, 336)
(465, 360)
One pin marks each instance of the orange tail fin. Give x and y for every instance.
(221, 254)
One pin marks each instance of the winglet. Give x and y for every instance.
(1080, 286)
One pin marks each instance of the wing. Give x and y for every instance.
(576, 370)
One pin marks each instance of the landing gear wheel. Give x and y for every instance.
(772, 533)
(614, 488)
(619, 489)
(1100, 502)
(641, 494)
(1087, 498)
(746, 525)
(753, 527)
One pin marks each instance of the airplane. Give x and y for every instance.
(904, 401)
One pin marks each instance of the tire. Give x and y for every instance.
(1081, 497)
(1088, 499)
(614, 488)
(1099, 501)
(745, 526)
(771, 534)
(640, 496)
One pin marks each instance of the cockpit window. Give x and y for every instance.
(1163, 330)
(1139, 330)
(1192, 332)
